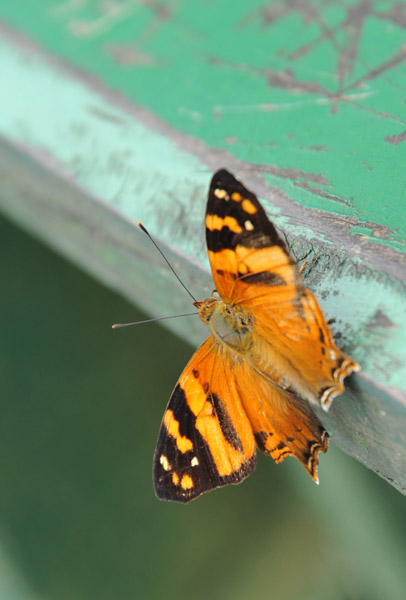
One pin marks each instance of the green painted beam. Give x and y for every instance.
(117, 116)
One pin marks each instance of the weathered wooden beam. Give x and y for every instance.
(81, 162)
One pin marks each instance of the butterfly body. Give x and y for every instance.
(269, 350)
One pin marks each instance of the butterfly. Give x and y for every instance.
(269, 357)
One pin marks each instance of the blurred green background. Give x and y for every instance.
(81, 407)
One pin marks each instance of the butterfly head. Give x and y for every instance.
(230, 324)
(206, 308)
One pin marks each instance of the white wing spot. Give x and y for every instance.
(194, 462)
(165, 462)
(248, 225)
(222, 194)
(333, 355)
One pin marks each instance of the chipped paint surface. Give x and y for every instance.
(298, 89)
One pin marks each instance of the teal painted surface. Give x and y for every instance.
(313, 92)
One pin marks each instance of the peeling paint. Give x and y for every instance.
(396, 138)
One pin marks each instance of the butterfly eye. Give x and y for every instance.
(245, 323)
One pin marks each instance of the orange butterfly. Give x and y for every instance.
(269, 352)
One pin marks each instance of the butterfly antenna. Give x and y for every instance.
(120, 325)
(141, 226)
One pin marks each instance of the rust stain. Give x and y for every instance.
(319, 192)
(317, 148)
(380, 319)
(352, 26)
(378, 70)
(130, 54)
(293, 174)
(396, 139)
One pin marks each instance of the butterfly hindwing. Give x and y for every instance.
(299, 342)
(205, 440)
(283, 424)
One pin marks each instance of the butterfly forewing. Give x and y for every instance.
(206, 440)
(247, 256)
